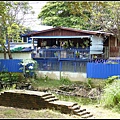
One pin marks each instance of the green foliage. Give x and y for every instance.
(110, 97)
(11, 23)
(77, 54)
(106, 17)
(111, 79)
(95, 83)
(14, 32)
(100, 15)
(79, 100)
(89, 82)
(9, 79)
(9, 76)
(46, 82)
(29, 67)
(65, 81)
(59, 14)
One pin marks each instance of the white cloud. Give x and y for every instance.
(32, 21)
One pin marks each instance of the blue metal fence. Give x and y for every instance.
(102, 70)
(98, 70)
(10, 65)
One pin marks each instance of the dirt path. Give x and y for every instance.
(101, 113)
(98, 112)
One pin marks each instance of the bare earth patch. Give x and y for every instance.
(10, 112)
(97, 111)
(101, 113)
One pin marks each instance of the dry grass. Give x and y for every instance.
(98, 112)
(10, 112)
(102, 113)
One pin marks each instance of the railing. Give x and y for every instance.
(59, 53)
(55, 65)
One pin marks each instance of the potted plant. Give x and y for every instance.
(77, 54)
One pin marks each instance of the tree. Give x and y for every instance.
(103, 16)
(107, 18)
(3, 24)
(12, 18)
(59, 14)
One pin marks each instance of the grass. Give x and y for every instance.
(79, 100)
(10, 112)
(111, 96)
(45, 82)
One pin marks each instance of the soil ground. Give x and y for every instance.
(97, 111)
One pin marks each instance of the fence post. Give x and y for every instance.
(60, 68)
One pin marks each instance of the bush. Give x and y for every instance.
(65, 81)
(111, 95)
(111, 79)
(9, 78)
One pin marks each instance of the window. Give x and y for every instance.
(25, 39)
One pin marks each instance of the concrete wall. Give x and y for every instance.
(73, 76)
(19, 55)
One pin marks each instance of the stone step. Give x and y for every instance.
(49, 96)
(65, 103)
(46, 94)
(82, 113)
(87, 116)
(74, 104)
(51, 99)
(79, 110)
(75, 107)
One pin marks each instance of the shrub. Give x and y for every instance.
(29, 67)
(111, 95)
(111, 79)
(8, 79)
(65, 81)
(89, 82)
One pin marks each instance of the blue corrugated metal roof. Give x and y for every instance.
(46, 37)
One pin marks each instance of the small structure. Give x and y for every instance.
(19, 51)
(69, 50)
(97, 42)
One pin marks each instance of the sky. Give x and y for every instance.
(32, 21)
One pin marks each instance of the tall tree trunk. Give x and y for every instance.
(5, 54)
(9, 52)
(4, 51)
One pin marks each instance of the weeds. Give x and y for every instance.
(79, 100)
(111, 95)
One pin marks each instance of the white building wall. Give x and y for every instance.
(21, 55)
(73, 76)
